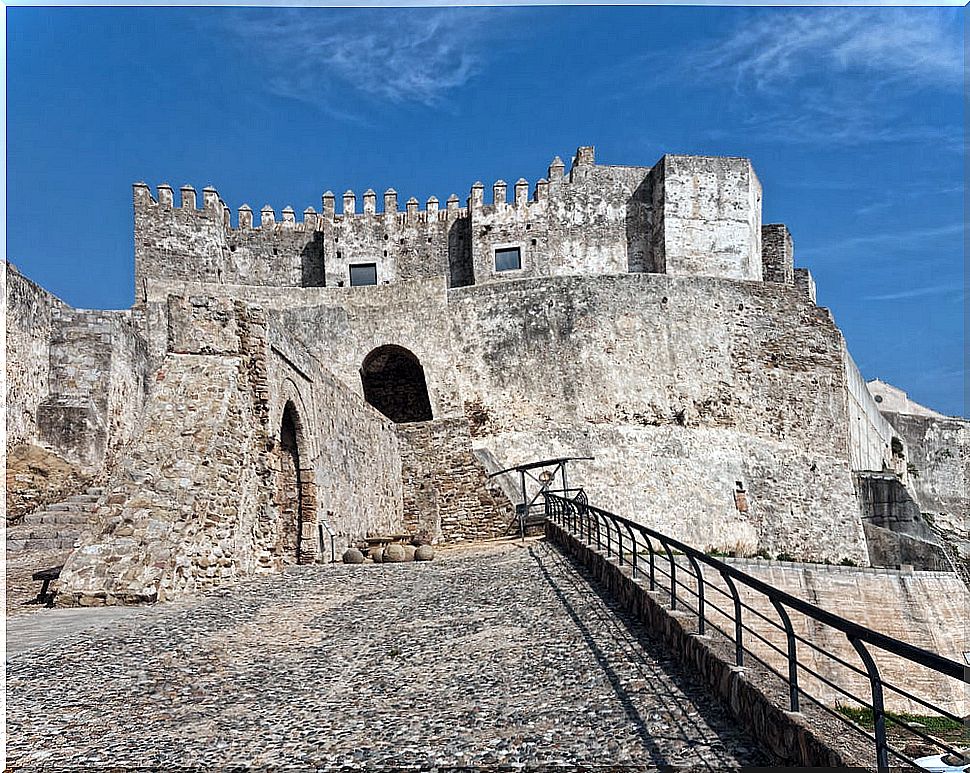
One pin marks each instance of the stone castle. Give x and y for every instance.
(364, 372)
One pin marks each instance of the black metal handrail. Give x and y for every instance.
(590, 524)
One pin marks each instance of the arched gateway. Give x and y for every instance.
(394, 384)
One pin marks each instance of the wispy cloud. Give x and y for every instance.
(913, 191)
(894, 240)
(951, 288)
(832, 76)
(911, 47)
(396, 56)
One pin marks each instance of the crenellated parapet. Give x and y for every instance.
(686, 215)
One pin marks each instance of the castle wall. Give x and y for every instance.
(870, 435)
(30, 314)
(200, 498)
(75, 377)
(596, 221)
(680, 388)
(688, 215)
(181, 243)
(354, 451)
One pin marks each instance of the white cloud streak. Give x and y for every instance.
(838, 76)
(416, 56)
(893, 240)
(911, 47)
(920, 292)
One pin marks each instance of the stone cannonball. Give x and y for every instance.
(409, 551)
(353, 556)
(424, 553)
(377, 554)
(393, 554)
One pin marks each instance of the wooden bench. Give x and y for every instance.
(46, 576)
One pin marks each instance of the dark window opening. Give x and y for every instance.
(508, 259)
(394, 384)
(363, 274)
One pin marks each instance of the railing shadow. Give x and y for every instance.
(668, 687)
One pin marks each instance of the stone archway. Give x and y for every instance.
(296, 491)
(394, 384)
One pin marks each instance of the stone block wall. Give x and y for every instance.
(76, 386)
(447, 493)
(681, 388)
(201, 497)
(708, 216)
(777, 254)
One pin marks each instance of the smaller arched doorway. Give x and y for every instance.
(293, 489)
(394, 384)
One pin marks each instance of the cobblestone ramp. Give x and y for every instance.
(497, 655)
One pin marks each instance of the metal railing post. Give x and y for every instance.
(653, 562)
(673, 575)
(619, 541)
(878, 707)
(633, 541)
(792, 655)
(700, 593)
(738, 626)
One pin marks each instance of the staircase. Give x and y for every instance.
(54, 527)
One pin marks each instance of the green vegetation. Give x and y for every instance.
(929, 724)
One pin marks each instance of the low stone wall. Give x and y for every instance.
(792, 737)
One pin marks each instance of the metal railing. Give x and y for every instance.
(663, 563)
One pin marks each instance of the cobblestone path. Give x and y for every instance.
(502, 655)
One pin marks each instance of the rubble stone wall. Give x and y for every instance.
(31, 312)
(447, 493)
(198, 500)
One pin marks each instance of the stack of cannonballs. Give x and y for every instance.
(383, 551)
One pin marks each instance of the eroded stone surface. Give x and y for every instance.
(487, 656)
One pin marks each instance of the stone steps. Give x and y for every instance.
(56, 526)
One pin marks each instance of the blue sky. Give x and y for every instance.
(852, 117)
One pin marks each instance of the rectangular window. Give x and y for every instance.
(363, 274)
(508, 259)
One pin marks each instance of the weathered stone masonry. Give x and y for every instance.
(641, 315)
